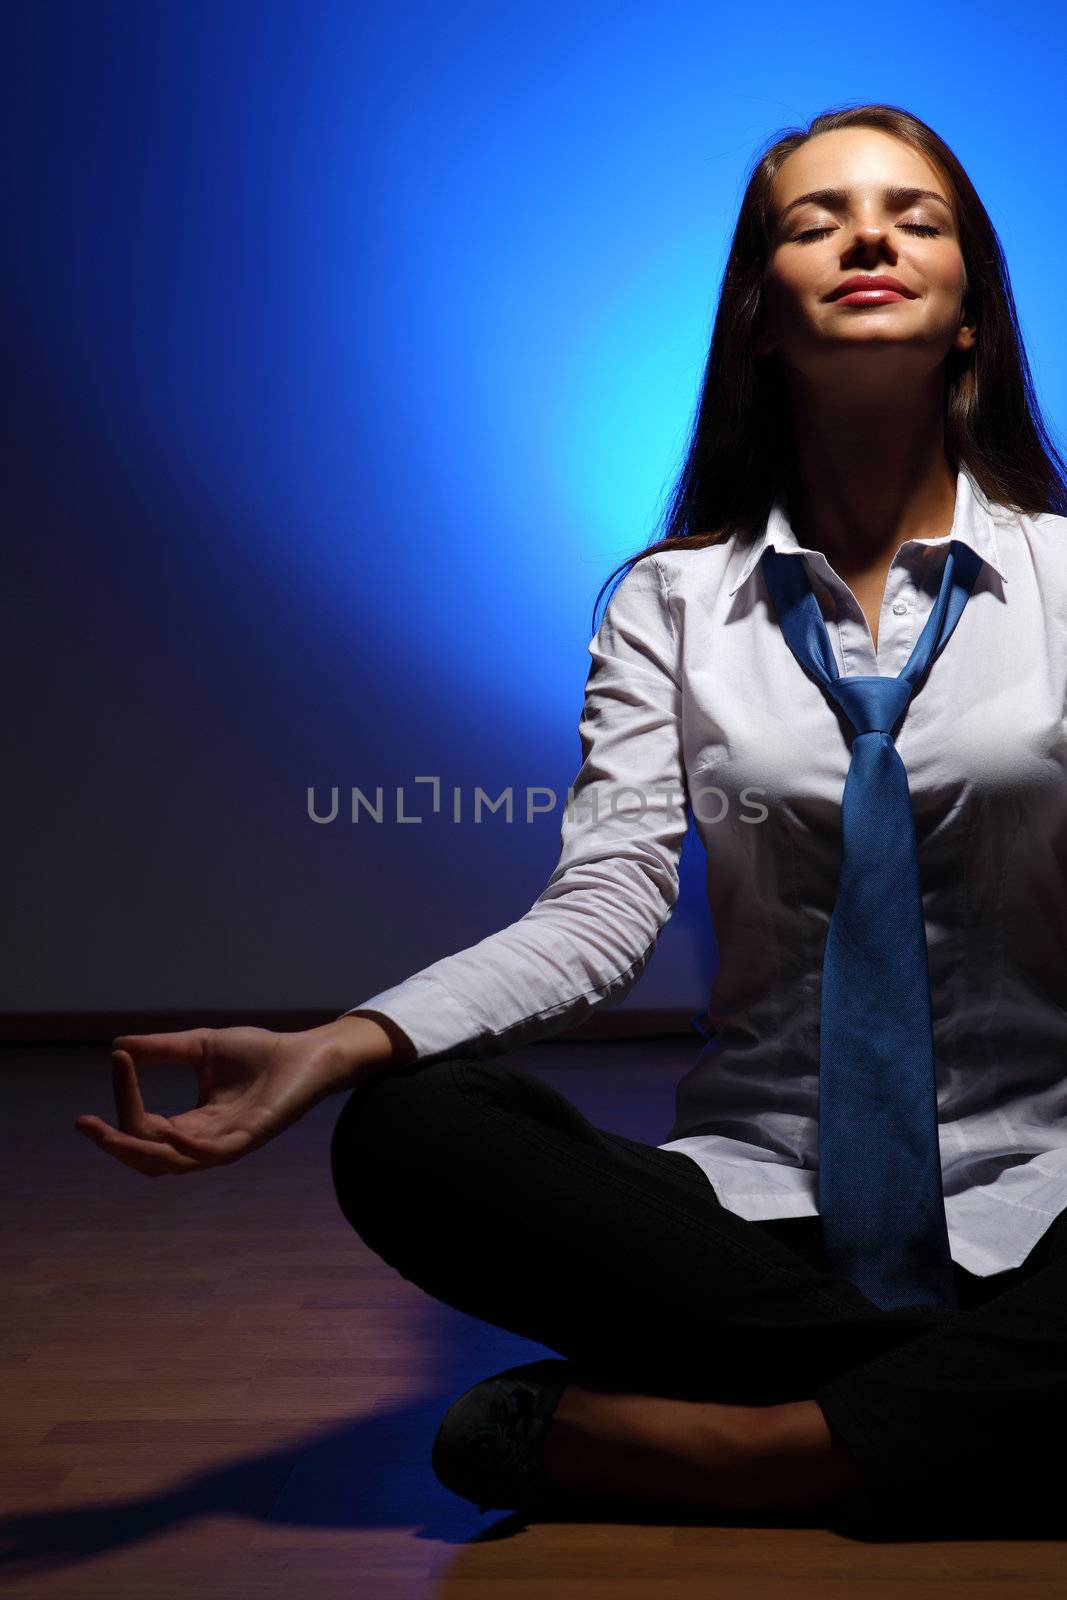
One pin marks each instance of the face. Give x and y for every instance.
(817, 245)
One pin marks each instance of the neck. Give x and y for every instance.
(868, 475)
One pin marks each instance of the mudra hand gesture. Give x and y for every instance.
(252, 1084)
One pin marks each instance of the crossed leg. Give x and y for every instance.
(703, 1344)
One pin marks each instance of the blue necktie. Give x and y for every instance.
(880, 1193)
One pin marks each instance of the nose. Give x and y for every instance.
(870, 238)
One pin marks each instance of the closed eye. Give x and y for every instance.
(913, 227)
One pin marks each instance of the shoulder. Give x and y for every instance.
(1033, 541)
(671, 591)
(1045, 529)
(702, 566)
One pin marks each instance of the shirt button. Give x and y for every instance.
(899, 607)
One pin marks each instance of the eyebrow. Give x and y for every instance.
(895, 195)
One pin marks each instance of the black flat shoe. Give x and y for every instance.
(489, 1446)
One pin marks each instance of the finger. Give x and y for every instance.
(155, 1130)
(129, 1106)
(144, 1155)
(132, 1116)
(153, 1049)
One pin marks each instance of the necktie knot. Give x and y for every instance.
(872, 704)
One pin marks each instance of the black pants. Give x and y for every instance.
(495, 1195)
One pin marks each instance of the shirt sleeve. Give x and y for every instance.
(591, 931)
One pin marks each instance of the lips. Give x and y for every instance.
(851, 285)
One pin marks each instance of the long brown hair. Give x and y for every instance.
(740, 449)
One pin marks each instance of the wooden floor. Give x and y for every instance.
(213, 1388)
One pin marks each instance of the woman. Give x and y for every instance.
(713, 1359)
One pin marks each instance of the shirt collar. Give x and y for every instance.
(973, 523)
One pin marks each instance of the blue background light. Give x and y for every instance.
(357, 344)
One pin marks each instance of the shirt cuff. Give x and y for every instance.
(428, 1014)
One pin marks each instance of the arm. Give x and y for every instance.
(592, 930)
(583, 943)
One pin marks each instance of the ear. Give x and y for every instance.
(967, 332)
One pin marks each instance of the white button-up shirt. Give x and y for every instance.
(695, 699)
